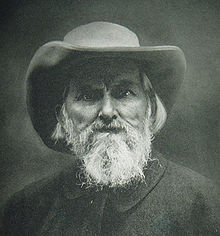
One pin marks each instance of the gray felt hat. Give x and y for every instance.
(49, 69)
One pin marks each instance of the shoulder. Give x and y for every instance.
(182, 178)
(26, 208)
(191, 198)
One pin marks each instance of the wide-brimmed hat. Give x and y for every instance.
(50, 68)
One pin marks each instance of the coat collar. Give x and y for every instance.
(121, 199)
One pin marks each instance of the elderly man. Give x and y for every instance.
(102, 98)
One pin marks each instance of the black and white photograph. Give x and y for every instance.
(110, 118)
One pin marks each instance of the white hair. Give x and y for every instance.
(157, 111)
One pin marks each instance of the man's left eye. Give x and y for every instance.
(125, 93)
(119, 94)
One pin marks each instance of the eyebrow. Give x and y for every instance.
(89, 87)
(120, 83)
(125, 83)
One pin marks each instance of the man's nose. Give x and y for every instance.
(107, 111)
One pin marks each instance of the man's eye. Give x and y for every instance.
(86, 97)
(89, 96)
(120, 93)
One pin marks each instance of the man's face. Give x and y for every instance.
(105, 118)
(109, 89)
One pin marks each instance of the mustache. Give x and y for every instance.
(113, 127)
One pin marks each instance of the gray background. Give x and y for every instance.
(190, 136)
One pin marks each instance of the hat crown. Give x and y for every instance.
(102, 34)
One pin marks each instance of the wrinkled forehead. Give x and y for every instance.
(105, 71)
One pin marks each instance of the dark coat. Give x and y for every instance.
(174, 200)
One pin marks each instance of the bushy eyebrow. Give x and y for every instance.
(121, 83)
(87, 87)
(125, 83)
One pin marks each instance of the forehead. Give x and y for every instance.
(106, 71)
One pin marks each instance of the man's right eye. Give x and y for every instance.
(89, 96)
(86, 97)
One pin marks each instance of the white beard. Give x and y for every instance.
(110, 159)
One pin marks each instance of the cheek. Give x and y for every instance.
(82, 116)
(134, 112)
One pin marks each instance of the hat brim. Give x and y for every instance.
(48, 75)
